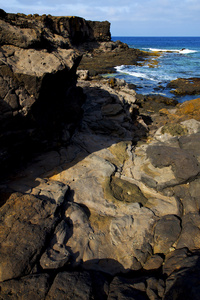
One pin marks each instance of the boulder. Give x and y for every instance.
(26, 223)
(184, 164)
(190, 237)
(38, 100)
(47, 31)
(167, 231)
(30, 287)
(74, 285)
(183, 282)
(141, 288)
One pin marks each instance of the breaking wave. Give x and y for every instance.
(181, 51)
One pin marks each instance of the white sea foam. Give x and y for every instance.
(126, 70)
(148, 74)
(181, 51)
(186, 51)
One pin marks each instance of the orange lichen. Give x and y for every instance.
(185, 111)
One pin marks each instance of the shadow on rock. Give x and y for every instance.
(183, 283)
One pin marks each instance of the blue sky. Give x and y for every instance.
(127, 17)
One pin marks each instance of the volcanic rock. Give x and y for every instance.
(29, 287)
(26, 222)
(182, 86)
(112, 211)
(71, 286)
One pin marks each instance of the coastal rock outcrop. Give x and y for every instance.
(46, 31)
(182, 86)
(112, 209)
(40, 104)
(114, 190)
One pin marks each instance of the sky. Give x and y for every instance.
(127, 17)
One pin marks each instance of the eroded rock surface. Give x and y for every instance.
(119, 204)
(113, 213)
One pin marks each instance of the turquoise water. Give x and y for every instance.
(180, 58)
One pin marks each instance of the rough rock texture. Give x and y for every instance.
(184, 111)
(39, 102)
(71, 286)
(182, 86)
(28, 287)
(26, 223)
(123, 191)
(112, 214)
(103, 59)
(46, 31)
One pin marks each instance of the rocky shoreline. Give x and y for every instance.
(105, 204)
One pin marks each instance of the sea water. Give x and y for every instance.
(179, 57)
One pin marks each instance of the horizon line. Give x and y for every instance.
(176, 36)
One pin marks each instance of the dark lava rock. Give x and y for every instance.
(190, 235)
(191, 143)
(141, 288)
(183, 86)
(153, 103)
(74, 285)
(183, 283)
(102, 62)
(31, 287)
(47, 31)
(26, 223)
(184, 164)
(167, 231)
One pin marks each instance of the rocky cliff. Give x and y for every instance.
(111, 211)
(46, 31)
(40, 104)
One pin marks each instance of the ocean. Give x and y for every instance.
(179, 58)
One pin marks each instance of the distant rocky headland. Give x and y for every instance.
(99, 186)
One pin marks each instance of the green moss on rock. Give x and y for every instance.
(117, 189)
